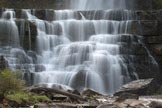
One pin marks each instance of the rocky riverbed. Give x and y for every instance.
(136, 94)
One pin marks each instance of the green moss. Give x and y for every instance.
(158, 4)
(25, 98)
(10, 82)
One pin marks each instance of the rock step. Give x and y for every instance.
(29, 32)
(119, 15)
(143, 27)
(66, 105)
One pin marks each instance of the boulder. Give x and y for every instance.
(157, 49)
(133, 103)
(3, 63)
(89, 92)
(39, 68)
(155, 104)
(107, 106)
(139, 87)
(55, 91)
(144, 28)
(154, 40)
(55, 86)
(125, 96)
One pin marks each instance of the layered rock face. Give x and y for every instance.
(97, 49)
(64, 4)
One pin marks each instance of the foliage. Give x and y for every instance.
(11, 88)
(25, 98)
(158, 4)
(10, 82)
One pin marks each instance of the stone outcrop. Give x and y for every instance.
(3, 63)
(62, 4)
(139, 87)
(155, 104)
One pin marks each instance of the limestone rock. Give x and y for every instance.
(89, 92)
(139, 87)
(55, 91)
(107, 106)
(3, 63)
(155, 104)
(125, 96)
(157, 49)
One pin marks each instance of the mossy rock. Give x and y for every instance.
(23, 99)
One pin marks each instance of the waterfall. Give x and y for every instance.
(97, 4)
(81, 53)
(87, 46)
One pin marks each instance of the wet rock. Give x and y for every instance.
(40, 13)
(154, 40)
(16, 104)
(89, 92)
(132, 49)
(157, 49)
(54, 90)
(146, 15)
(125, 96)
(75, 92)
(64, 105)
(141, 69)
(159, 91)
(139, 87)
(3, 63)
(132, 103)
(145, 28)
(28, 33)
(142, 4)
(33, 55)
(39, 68)
(155, 104)
(108, 106)
(55, 86)
(58, 97)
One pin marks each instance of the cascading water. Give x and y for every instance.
(80, 49)
(97, 4)
(10, 44)
(84, 54)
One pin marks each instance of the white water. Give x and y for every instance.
(77, 49)
(97, 4)
(80, 53)
(10, 44)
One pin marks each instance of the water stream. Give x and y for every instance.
(77, 49)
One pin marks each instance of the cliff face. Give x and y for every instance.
(151, 24)
(60, 4)
(30, 4)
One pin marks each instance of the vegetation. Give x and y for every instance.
(27, 98)
(10, 82)
(157, 4)
(38, 4)
(12, 89)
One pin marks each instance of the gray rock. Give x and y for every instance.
(155, 104)
(3, 63)
(89, 92)
(125, 96)
(139, 87)
(107, 106)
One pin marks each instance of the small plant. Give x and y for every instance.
(10, 82)
(27, 98)
(158, 4)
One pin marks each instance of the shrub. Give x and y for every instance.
(158, 4)
(24, 98)
(10, 82)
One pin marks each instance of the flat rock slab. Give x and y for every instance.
(139, 87)
(65, 105)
